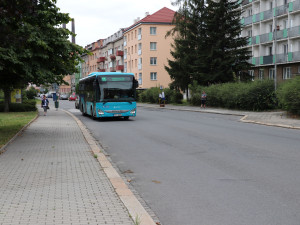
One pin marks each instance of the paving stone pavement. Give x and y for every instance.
(49, 176)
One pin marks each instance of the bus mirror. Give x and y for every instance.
(136, 84)
(95, 84)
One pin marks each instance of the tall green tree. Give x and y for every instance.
(34, 48)
(226, 53)
(181, 68)
(207, 45)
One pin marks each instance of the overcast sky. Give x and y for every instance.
(98, 19)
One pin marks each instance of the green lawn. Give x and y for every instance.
(11, 123)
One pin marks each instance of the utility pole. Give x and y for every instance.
(275, 45)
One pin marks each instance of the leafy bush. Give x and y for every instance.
(26, 106)
(288, 95)
(176, 97)
(31, 93)
(152, 95)
(255, 96)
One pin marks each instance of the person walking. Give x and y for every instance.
(203, 99)
(44, 105)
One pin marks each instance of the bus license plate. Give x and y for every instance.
(117, 114)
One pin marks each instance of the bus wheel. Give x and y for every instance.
(94, 115)
(126, 117)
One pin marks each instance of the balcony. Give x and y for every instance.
(120, 67)
(112, 57)
(120, 53)
(101, 59)
(101, 70)
(112, 69)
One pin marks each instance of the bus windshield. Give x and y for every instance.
(116, 89)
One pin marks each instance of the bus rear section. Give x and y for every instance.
(108, 95)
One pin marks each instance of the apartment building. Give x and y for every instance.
(146, 49)
(111, 54)
(90, 61)
(273, 28)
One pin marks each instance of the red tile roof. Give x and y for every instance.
(164, 15)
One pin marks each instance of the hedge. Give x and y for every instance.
(254, 96)
(288, 94)
(152, 95)
(26, 106)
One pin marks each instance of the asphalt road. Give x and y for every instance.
(198, 168)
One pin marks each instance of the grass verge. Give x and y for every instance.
(11, 123)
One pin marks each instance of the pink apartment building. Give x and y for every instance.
(142, 49)
(146, 49)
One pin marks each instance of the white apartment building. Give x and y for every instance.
(111, 53)
(273, 28)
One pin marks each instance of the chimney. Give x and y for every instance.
(147, 14)
(73, 31)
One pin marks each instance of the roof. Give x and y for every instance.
(164, 15)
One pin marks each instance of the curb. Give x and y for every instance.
(2, 149)
(231, 114)
(134, 207)
(244, 120)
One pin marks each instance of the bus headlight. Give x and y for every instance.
(100, 112)
(133, 111)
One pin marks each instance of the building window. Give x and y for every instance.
(152, 30)
(271, 74)
(270, 49)
(140, 49)
(139, 33)
(261, 74)
(125, 67)
(140, 64)
(140, 79)
(153, 76)
(135, 62)
(125, 54)
(286, 73)
(135, 49)
(251, 73)
(153, 60)
(249, 33)
(152, 46)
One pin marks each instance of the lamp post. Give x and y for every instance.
(275, 45)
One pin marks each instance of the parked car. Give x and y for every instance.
(63, 97)
(72, 97)
(77, 103)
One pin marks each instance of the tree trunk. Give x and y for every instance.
(7, 93)
(187, 93)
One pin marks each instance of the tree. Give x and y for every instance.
(207, 47)
(181, 68)
(34, 48)
(226, 55)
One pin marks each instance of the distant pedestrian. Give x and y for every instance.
(203, 99)
(45, 104)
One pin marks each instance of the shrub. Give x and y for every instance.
(31, 93)
(26, 106)
(288, 95)
(177, 97)
(256, 96)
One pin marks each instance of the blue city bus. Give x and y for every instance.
(108, 94)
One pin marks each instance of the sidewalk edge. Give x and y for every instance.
(243, 119)
(2, 149)
(134, 207)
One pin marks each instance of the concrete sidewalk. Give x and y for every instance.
(274, 118)
(55, 173)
